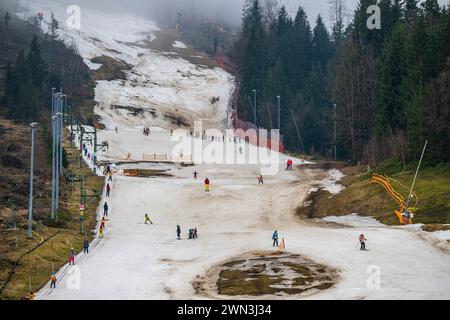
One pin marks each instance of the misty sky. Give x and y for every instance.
(225, 11)
(229, 11)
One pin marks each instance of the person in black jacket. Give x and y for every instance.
(86, 245)
(105, 209)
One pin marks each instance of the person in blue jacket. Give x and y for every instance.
(275, 238)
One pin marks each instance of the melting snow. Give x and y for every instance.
(354, 220)
(179, 44)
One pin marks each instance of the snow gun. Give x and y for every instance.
(403, 213)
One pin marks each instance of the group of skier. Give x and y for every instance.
(192, 234)
(146, 131)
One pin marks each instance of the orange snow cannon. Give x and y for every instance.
(386, 184)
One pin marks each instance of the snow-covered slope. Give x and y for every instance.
(139, 261)
(166, 89)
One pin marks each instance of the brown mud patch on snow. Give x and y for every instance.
(266, 275)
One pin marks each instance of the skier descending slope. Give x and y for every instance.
(207, 185)
(362, 241)
(147, 219)
(178, 231)
(260, 179)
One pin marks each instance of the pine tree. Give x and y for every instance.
(300, 53)
(253, 65)
(54, 26)
(392, 68)
(38, 67)
(322, 49)
(6, 20)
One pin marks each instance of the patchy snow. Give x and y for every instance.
(139, 261)
(331, 183)
(179, 44)
(354, 220)
(443, 235)
(168, 90)
(100, 33)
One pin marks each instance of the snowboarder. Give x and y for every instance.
(275, 238)
(147, 219)
(105, 209)
(207, 185)
(362, 241)
(53, 280)
(72, 257)
(195, 175)
(108, 189)
(86, 245)
(178, 231)
(260, 179)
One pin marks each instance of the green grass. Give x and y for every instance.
(38, 265)
(432, 188)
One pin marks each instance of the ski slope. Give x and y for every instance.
(139, 261)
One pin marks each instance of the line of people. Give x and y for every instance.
(72, 254)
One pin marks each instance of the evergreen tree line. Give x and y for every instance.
(390, 85)
(24, 83)
(48, 62)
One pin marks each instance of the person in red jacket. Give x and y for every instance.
(362, 241)
(108, 189)
(206, 184)
(72, 257)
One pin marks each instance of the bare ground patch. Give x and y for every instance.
(266, 275)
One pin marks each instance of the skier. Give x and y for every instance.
(86, 245)
(105, 209)
(147, 219)
(116, 129)
(362, 241)
(109, 176)
(72, 257)
(101, 233)
(178, 231)
(195, 233)
(191, 233)
(207, 185)
(260, 179)
(275, 238)
(195, 174)
(102, 223)
(53, 280)
(289, 165)
(108, 189)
